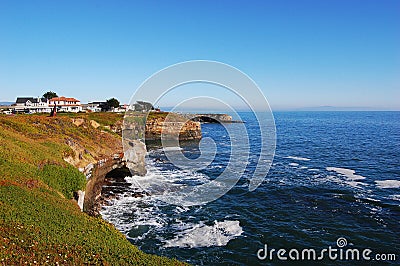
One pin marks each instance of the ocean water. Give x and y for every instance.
(334, 175)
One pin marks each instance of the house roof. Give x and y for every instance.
(62, 98)
(31, 99)
(23, 99)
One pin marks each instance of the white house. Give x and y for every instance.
(96, 106)
(121, 109)
(65, 104)
(32, 105)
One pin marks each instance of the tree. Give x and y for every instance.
(112, 103)
(49, 95)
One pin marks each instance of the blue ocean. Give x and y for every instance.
(334, 175)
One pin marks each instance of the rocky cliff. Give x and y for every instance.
(171, 126)
(95, 166)
(210, 118)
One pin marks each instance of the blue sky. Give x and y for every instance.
(301, 53)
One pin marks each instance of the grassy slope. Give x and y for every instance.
(39, 222)
(162, 115)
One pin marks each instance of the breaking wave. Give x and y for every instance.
(202, 235)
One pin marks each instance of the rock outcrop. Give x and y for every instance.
(212, 118)
(135, 129)
(94, 163)
(95, 175)
(134, 156)
(171, 126)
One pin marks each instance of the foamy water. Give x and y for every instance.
(298, 158)
(388, 183)
(146, 215)
(201, 235)
(349, 173)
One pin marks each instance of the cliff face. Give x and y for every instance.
(134, 156)
(95, 174)
(96, 163)
(171, 126)
(97, 167)
(102, 145)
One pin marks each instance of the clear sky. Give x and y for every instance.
(301, 53)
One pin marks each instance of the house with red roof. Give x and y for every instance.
(65, 104)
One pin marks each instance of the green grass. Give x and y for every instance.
(104, 118)
(67, 179)
(38, 226)
(39, 222)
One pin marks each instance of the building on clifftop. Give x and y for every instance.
(65, 104)
(31, 105)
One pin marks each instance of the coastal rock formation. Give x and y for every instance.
(96, 166)
(171, 126)
(96, 162)
(95, 175)
(134, 156)
(210, 118)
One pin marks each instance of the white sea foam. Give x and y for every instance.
(181, 209)
(395, 197)
(353, 183)
(129, 212)
(201, 235)
(172, 149)
(162, 182)
(388, 183)
(149, 216)
(350, 174)
(294, 164)
(156, 183)
(371, 199)
(348, 182)
(298, 158)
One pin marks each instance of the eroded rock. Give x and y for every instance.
(134, 155)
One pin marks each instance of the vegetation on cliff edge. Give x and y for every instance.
(39, 222)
